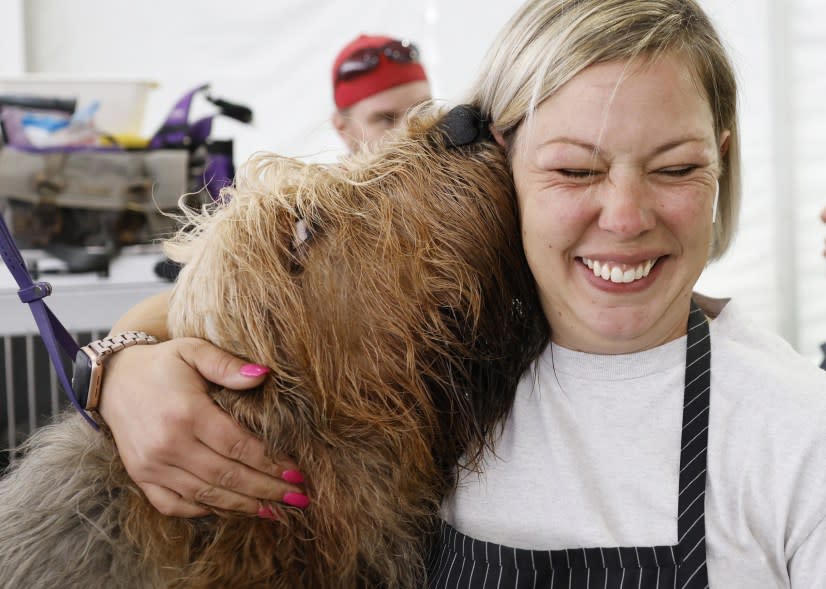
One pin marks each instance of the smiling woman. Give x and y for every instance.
(630, 456)
(603, 204)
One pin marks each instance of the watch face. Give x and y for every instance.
(81, 376)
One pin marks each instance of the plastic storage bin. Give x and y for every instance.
(122, 100)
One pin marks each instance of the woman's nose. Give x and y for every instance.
(626, 210)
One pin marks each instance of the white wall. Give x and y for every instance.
(775, 267)
(276, 57)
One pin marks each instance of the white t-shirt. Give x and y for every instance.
(590, 455)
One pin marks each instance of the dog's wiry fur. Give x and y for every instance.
(396, 328)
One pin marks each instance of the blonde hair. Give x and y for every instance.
(548, 42)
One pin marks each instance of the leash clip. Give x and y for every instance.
(35, 292)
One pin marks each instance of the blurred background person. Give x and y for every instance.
(376, 80)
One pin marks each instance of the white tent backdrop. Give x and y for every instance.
(276, 57)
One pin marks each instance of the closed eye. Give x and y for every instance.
(678, 170)
(390, 118)
(385, 118)
(577, 173)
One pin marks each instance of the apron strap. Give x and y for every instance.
(691, 517)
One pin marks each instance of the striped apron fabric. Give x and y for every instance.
(459, 561)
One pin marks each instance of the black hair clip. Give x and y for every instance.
(464, 124)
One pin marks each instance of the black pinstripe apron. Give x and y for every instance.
(459, 561)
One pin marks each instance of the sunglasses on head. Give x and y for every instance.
(367, 59)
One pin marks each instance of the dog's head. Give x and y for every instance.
(389, 286)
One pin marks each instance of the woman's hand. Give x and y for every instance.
(181, 449)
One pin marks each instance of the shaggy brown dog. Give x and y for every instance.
(391, 298)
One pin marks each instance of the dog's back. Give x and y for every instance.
(391, 299)
(60, 514)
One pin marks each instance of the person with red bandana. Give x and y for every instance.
(376, 80)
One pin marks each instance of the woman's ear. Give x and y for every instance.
(724, 142)
(500, 139)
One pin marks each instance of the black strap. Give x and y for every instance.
(458, 560)
(691, 526)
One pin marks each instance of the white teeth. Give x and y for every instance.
(619, 273)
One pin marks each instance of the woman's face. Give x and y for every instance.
(615, 178)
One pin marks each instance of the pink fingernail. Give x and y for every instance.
(253, 370)
(296, 500)
(266, 512)
(293, 477)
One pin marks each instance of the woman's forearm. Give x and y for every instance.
(149, 315)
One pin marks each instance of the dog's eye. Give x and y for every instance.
(302, 233)
(299, 245)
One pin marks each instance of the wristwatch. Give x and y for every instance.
(87, 376)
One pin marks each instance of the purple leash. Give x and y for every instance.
(51, 329)
(176, 130)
